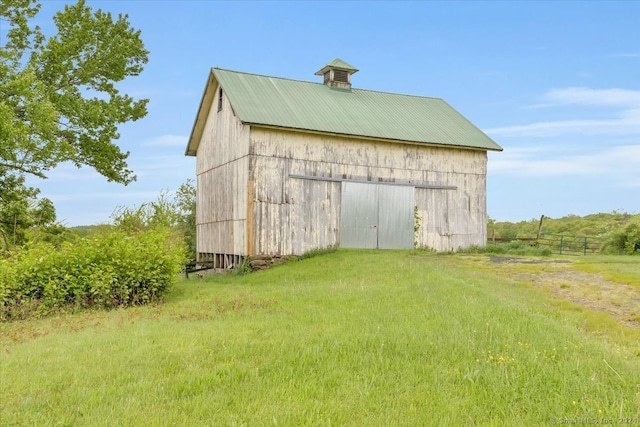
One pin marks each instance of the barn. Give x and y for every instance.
(287, 166)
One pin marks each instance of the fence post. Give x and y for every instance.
(585, 246)
(561, 242)
(539, 228)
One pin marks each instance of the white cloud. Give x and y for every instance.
(167, 140)
(620, 161)
(105, 195)
(164, 161)
(627, 124)
(163, 167)
(533, 167)
(586, 96)
(66, 173)
(625, 120)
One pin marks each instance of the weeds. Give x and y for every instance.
(244, 268)
(317, 252)
(510, 248)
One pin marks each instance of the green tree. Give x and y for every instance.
(177, 212)
(21, 210)
(59, 99)
(186, 203)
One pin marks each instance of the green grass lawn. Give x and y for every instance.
(363, 338)
(625, 269)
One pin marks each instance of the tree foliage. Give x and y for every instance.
(619, 232)
(131, 262)
(59, 99)
(625, 240)
(595, 225)
(177, 212)
(22, 212)
(186, 202)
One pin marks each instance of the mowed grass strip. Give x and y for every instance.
(349, 338)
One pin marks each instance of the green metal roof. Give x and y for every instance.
(315, 107)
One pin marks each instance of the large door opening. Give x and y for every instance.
(376, 216)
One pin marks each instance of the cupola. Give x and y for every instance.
(337, 73)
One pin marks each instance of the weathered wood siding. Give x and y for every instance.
(453, 219)
(291, 216)
(222, 171)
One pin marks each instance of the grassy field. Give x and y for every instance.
(351, 338)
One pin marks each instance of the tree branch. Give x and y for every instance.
(11, 166)
(6, 242)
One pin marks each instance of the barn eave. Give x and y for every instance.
(370, 138)
(201, 117)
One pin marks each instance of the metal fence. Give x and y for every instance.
(561, 244)
(570, 245)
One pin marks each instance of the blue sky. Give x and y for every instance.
(556, 84)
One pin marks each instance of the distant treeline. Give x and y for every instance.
(599, 225)
(619, 232)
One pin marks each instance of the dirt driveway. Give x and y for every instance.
(590, 290)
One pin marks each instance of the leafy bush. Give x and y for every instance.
(625, 240)
(177, 211)
(110, 269)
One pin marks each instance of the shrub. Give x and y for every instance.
(624, 240)
(176, 211)
(110, 269)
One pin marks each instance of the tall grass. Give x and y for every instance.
(349, 338)
(512, 248)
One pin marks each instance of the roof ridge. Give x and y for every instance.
(401, 94)
(264, 75)
(321, 84)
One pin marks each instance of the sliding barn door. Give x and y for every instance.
(359, 216)
(376, 216)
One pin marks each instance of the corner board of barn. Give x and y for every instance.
(287, 166)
